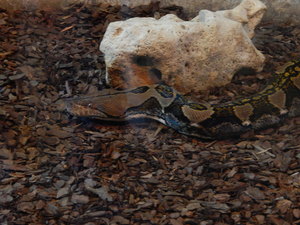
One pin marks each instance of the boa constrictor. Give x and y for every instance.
(280, 99)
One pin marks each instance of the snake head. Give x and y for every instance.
(80, 107)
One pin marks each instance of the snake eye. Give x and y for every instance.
(140, 90)
(165, 91)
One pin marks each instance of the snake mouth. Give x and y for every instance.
(80, 110)
(74, 109)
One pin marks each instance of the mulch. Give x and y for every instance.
(55, 169)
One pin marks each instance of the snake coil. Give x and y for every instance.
(279, 100)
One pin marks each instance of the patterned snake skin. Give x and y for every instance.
(279, 100)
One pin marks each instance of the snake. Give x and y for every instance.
(279, 100)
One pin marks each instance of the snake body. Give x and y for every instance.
(279, 100)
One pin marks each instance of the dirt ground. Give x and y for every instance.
(55, 169)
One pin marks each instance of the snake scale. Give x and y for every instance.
(279, 100)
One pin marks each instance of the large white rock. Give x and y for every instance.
(188, 55)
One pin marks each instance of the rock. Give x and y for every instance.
(188, 55)
(279, 11)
